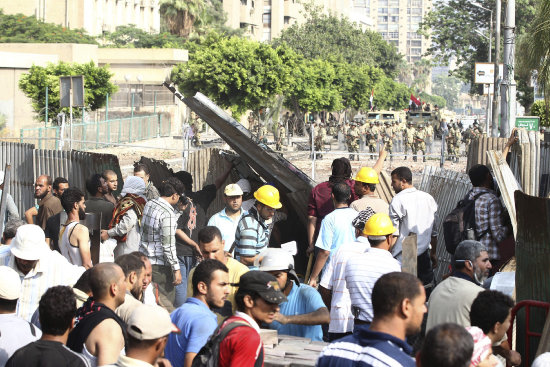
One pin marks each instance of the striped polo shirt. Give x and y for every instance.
(252, 235)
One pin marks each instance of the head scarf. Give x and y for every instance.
(133, 185)
(482, 345)
(362, 218)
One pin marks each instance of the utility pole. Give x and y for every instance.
(496, 97)
(508, 87)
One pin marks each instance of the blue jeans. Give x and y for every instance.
(186, 264)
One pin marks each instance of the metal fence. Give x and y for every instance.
(545, 166)
(477, 152)
(99, 134)
(447, 188)
(140, 95)
(29, 163)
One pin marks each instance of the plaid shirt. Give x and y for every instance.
(252, 235)
(489, 220)
(158, 230)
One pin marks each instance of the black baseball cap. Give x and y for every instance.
(264, 284)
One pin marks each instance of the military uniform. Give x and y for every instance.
(408, 137)
(371, 136)
(262, 136)
(430, 137)
(281, 134)
(420, 142)
(387, 138)
(352, 141)
(456, 145)
(320, 136)
(196, 133)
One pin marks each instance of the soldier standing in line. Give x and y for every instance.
(262, 136)
(408, 137)
(371, 136)
(430, 137)
(450, 140)
(281, 135)
(396, 136)
(420, 142)
(387, 138)
(196, 133)
(352, 141)
(320, 139)
(456, 145)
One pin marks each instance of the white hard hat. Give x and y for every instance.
(279, 259)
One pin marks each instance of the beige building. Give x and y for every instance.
(94, 16)
(136, 71)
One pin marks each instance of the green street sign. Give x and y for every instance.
(528, 122)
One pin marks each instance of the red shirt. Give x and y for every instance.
(242, 347)
(320, 203)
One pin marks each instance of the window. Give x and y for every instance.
(393, 35)
(415, 58)
(266, 35)
(415, 51)
(384, 34)
(382, 27)
(413, 27)
(394, 42)
(416, 19)
(267, 2)
(243, 2)
(393, 27)
(382, 3)
(286, 20)
(394, 10)
(266, 20)
(416, 43)
(382, 10)
(413, 36)
(383, 19)
(415, 11)
(394, 19)
(416, 3)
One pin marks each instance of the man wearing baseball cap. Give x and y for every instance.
(228, 218)
(148, 330)
(38, 267)
(258, 300)
(304, 311)
(15, 331)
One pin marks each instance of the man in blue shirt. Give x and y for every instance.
(398, 301)
(336, 229)
(228, 218)
(304, 311)
(194, 318)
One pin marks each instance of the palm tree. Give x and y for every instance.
(534, 49)
(181, 15)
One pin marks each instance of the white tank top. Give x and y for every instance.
(70, 252)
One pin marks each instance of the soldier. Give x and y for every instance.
(449, 140)
(262, 135)
(456, 144)
(352, 141)
(420, 142)
(196, 134)
(430, 137)
(467, 138)
(387, 138)
(321, 134)
(281, 135)
(408, 137)
(371, 136)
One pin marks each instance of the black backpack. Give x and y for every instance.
(209, 354)
(460, 224)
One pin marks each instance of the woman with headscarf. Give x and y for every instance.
(126, 222)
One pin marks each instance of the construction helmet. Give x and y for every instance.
(367, 175)
(278, 259)
(379, 224)
(268, 195)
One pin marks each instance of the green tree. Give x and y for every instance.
(236, 73)
(391, 94)
(130, 36)
(97, 85)
(19, 28)
(433, 100)
(180, 15)
(540, 109)
(355, 84)
(452, 25)
(338, 39)
(447, 87)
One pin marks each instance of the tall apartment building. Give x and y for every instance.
(94, 16)
(397, 21)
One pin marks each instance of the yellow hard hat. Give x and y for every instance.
(367, 175)
(379, 224)
(268, 195)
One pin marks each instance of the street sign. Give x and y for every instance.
(485, 72)
(71, 85)
(528, 122)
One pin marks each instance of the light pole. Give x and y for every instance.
(490, 38)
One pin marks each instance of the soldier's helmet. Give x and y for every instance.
(409, 123)
(420, 126)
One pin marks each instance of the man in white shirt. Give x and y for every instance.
(333, 287)
(414, 211)
(228, 218)
(362, 271)
(336, 229)
(38, 267)
(15, 331)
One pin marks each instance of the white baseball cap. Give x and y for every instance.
(10, 283)
(149, 322)
(29, 242)
(233, 190)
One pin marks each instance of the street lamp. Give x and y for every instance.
(488, 115)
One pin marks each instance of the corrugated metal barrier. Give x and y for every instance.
(447, 188)
(29, 163)
(545, 166)
(477, 154)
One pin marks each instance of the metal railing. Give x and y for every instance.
(98, 134)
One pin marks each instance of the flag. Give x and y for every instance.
(414, 100)
(372, 99)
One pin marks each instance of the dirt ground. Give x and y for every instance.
(170, 149)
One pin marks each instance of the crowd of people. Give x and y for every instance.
(172, 287)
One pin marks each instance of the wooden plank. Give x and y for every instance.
(544, 343)
(409, 258)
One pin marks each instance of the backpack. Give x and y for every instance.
(460, 224)
(209, 354)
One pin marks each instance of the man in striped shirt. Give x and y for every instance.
(253, 231)
(399, 305)
(158, 242)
